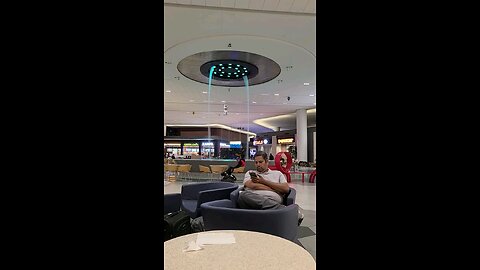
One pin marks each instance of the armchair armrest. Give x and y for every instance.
(291, 197)
(234, 196)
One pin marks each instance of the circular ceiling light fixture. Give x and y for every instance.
(229, 68)
(225, 70)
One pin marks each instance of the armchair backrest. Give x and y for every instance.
(192, 191)
(219, 215)
(171, 202)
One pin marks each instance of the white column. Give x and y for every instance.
(164, 130)
(314, 146)
(301, 139)
(274, 145)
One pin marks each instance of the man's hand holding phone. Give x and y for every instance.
(255, 177)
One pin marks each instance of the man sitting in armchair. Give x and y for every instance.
(264, 188)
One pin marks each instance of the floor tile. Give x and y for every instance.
(304, 232)
(309, 242)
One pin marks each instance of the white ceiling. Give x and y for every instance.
(299, 6)
(283, 31)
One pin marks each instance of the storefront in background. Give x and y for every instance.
(262, 144)
(172, 148)
(191, 148)
(231, 150)
(208, 149)
(285, 144)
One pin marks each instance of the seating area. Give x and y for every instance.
(216, 203)
(199, 173)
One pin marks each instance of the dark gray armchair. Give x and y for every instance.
(171, 203)
(193, 195)
(223, 215)
(288, 198)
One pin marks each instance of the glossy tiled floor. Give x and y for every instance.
(306, 197)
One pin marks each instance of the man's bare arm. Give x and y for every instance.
(257, 186)
(282, 188)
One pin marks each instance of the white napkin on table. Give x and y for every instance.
(192, 246)
(215, 238)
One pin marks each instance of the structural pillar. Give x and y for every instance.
(301, 138)
(164, 130)
(274, 145)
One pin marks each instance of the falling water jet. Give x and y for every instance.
(245, 79)
(209, 90)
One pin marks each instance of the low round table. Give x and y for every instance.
(252, 250)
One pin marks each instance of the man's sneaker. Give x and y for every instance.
(301, 219)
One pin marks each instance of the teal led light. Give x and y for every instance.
(232, 69)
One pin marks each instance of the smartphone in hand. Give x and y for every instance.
(253, 175)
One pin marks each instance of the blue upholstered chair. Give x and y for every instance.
(288, 198)
(193, 195)
(171, 203)
(223, 215)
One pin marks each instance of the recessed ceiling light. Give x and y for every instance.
(306, 83)
(312, 95)
(276, 94)
(168, 91)
(223, 100)
(254, 102)
(204, 92)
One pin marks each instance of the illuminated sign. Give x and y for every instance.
(207, 144)
(257, 142)
(288, 140)
(171, 145)
(235, 144)
(190, 144)
(265, 141)
(224, 145)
